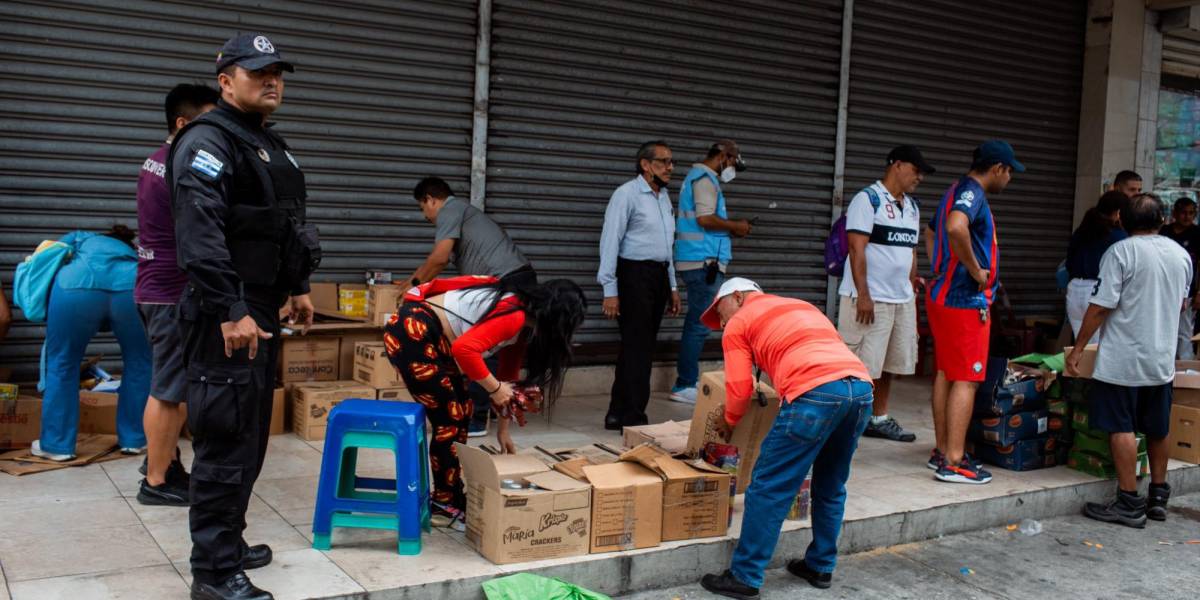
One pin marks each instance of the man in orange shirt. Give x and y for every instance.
(827, 397)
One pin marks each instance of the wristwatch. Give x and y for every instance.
(415, 281)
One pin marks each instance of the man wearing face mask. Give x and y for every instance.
(637, 272)
(238, 199)
(702, 252)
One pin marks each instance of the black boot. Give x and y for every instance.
(256, 557)
(1127, 508)
(727, 585)
(1156, 502)
(237, 587)
(800, 569)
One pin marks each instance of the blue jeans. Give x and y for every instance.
(72, 318)
(820, 429)
(691, 343)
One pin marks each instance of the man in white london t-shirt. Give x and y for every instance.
(878, 312)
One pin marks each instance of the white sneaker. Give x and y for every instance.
(36, 450)
(684, 395)
(133, 451)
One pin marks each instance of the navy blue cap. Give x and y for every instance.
(251, 51)
(998, 151)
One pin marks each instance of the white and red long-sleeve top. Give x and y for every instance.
(488, 333)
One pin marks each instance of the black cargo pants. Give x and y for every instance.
(229, 415)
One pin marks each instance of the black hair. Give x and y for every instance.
(185, 100)
(646, 152)
(554, 310)
(1143, 212)
(432, 186)
(1182, 202)
(1095, 226)
(122, 233)
(719, 147)
(1126, 176)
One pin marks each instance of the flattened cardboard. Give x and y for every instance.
(89, 449)
(695, 494)
(508, 526)
(750, 431)
(372, 367)
(627, 503)
(311, 403)
(20, 421)
(671, 436)
(308, 358)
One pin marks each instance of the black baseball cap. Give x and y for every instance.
(910, 154)
(251, 51)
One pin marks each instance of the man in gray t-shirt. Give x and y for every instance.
(467, 237)
(1143, 284)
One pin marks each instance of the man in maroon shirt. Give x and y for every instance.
(159, 285)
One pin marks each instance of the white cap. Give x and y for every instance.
(731, 285)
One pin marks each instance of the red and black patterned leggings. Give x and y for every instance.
(417, 347)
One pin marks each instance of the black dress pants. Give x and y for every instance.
(229, 415)
(643, 290)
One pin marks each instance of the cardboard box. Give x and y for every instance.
(352, 299)
(308, 358)
(695, 494)
(1187, 381)
(750, 431)
(1185, 430)
(1099, 445)
(671, 436)
(383, 298)
(9, 391)
(627, 502)
(1010, 429)
(995, 399)
(1087, 362)
(349, 339)
(1103, 468)
(1025, 455)
(279, 406)
(97, 412)
(324, 296)
(394, 393)
(311, 403)
(509, 526)
(372, 367)
(20, 421)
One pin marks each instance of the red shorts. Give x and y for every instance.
(960, 341)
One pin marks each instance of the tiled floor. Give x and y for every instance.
(79, 533)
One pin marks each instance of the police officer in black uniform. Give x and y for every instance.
(238, 199)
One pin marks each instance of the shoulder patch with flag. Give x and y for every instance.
(207, 164)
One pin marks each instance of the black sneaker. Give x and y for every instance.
(889, 430)
(164, 494)
(965, 472)
(237, 587)
(800, 569)
(1127, 509)
(727, 585)
(1156, 501)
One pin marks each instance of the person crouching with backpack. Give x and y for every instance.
(877, 315)
(93, 291)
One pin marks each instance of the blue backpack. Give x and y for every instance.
(837, 245)
(34, 277)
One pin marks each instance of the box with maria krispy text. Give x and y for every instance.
(750, 430)
(372, 367)
(550, 520)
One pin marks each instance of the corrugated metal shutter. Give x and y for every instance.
(947, 75)
(577, 85)
(382, 96)
(1181, 55)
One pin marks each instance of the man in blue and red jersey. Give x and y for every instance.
(965, 258)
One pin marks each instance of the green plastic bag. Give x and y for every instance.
(527, 586)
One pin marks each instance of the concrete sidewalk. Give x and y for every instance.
(1121, 563)
(80, 534)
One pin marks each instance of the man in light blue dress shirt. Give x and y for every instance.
(638, 276)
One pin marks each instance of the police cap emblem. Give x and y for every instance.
(262, 44)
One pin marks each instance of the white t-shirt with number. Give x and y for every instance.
(894, 229)
(1144, 280)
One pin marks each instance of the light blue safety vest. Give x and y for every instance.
(693, 243)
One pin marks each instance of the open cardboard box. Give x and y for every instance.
(627, 503)
(750, 431)
(509, 526)
(695, 494)
(671, 436)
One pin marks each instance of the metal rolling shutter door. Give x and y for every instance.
(577, 86)
(946, 76)
(382, 96)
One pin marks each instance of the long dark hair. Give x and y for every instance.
(122, 233)
(554, 310)
(1096, 226)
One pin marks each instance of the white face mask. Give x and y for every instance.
(727, 174)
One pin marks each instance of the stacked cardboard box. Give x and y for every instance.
(381, 302)
(352, 299)
(1184, 439)
(20, 420)
(312, 401)
(309, 358)
(1012, 427)
(750, 431)
(1090, 451)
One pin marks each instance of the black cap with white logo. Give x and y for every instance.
(251, 51)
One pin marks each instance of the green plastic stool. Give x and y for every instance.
(372, 503)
